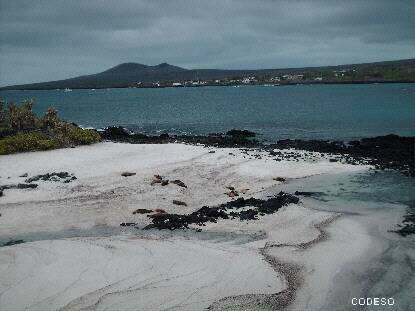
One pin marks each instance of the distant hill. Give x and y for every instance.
(128, 74)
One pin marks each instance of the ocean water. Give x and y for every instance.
(302, 111)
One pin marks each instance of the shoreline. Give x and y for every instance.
(6, 88)
(101, 196)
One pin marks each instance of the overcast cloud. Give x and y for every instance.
(47, 40)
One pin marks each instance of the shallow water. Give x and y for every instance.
(387, 187)
(377, 200)
(131, 231)
(303, 111)
(97, 231)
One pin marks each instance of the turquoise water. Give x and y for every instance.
(303, 111)
(376, 201)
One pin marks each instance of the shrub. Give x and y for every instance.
(51, 119)
(21, 118)
(26, 142)
(83, 137)
(21, 130)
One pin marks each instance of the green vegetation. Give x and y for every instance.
(22, 130)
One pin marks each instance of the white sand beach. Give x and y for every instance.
(284, 260)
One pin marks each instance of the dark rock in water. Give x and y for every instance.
(156, 215)
(1, 192)
(127, 174)
(385, 152)
(176, 221)
(248, 214)
(24, 175)
(179, 183)
(240, 133)
(160, 211)
(127, 224)
(308, 193)
(114, 132)
(406, 230)
(408, 226)
(142, 211)
(164, 136)
(264, 206)
(212, 214)
(165, 182)
(212, 151)
(177, 202)
(234, 138)
(13, 242)
(169, 221)
(25, 186)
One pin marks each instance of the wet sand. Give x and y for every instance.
(269, 263)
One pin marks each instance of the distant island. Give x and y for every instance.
(166, 75)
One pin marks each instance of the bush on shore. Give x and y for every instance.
(22, 130)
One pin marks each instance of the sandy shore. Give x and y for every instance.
(81, 259)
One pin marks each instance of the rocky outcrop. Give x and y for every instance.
(233, 138)
(229, 210)
(384, 152)
(60, 176)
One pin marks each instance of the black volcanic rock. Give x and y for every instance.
(212, 214)
(121, 134)
(385, 152)
(240, 133)
(55, 176)
(115, 132)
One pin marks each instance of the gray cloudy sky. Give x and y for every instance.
(46, 40)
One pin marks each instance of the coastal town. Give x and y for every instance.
(334, 76)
